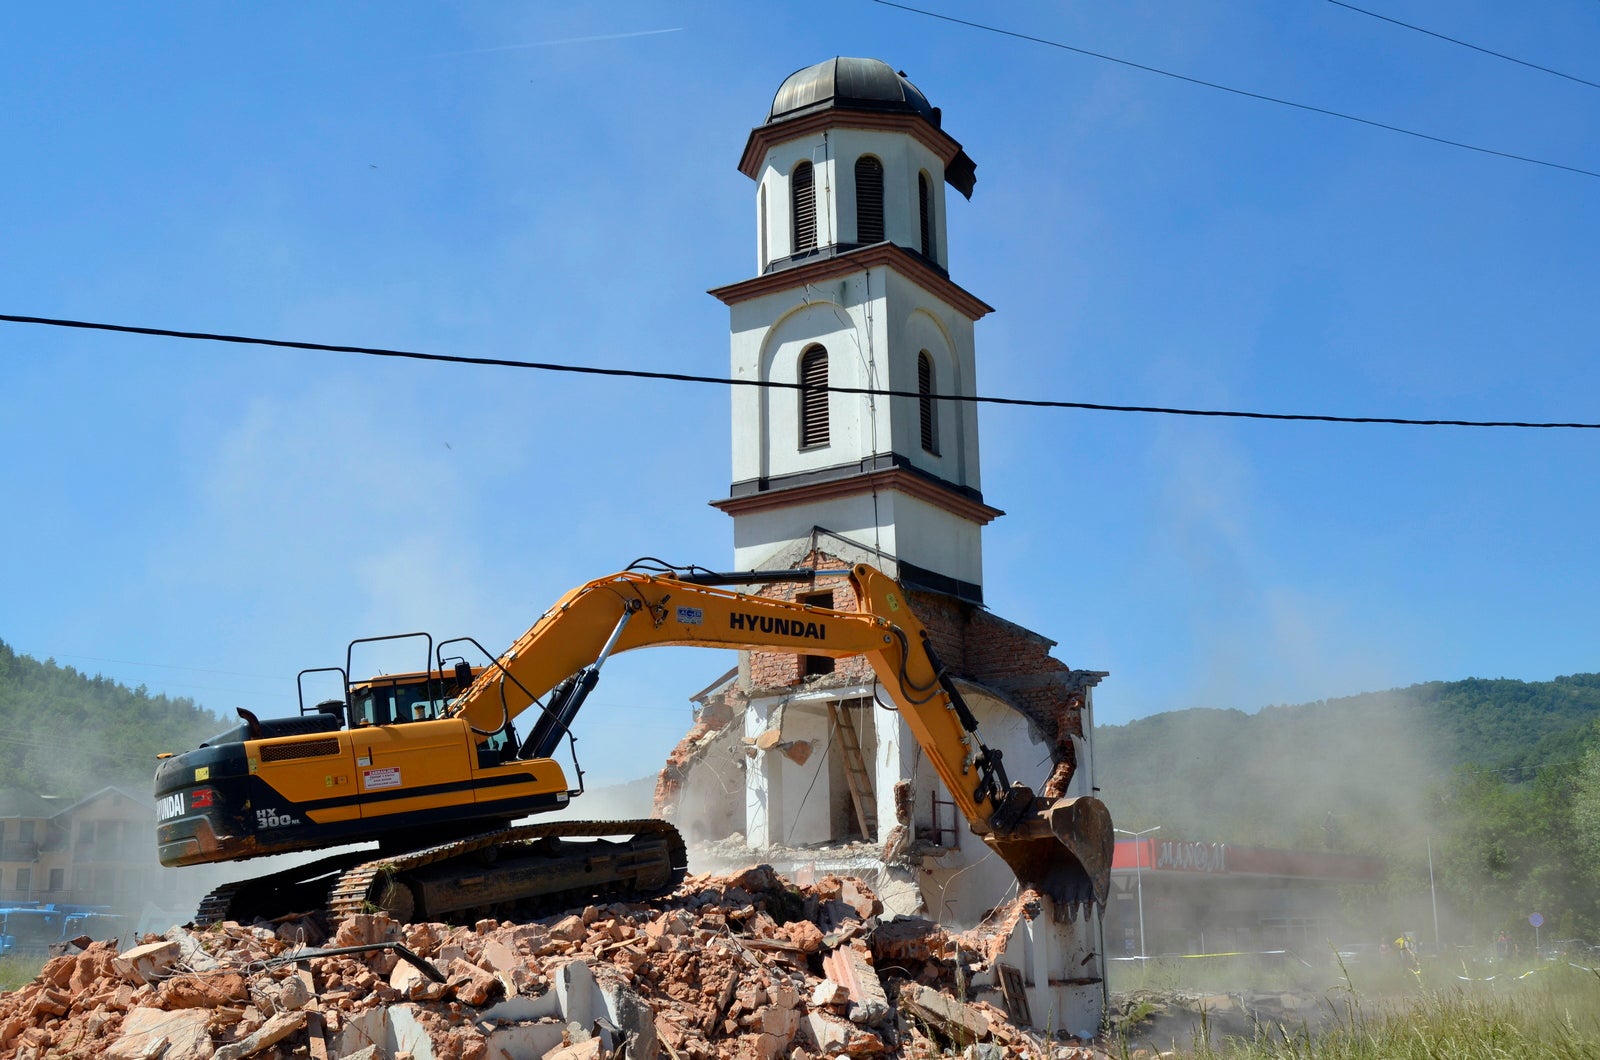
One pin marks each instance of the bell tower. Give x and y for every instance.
(853, 292)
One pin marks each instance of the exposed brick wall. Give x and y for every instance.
(972, 643)
(774, 672)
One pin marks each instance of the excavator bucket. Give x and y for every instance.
(1062, 849)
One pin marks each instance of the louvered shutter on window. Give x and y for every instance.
(869, 200)
(813, 399)
(804, 195)
(930, 425)
(925, 210)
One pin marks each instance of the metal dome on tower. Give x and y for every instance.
(864, 87)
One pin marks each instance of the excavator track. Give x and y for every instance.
(496, 870)
(517, 866)
(292, 890)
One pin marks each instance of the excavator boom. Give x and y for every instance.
(438, 792)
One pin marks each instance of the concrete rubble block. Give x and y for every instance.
(473, 985)
(393, 1029)
(804, 934)
(149, 1032)
(961, 1023)
(408, 981)
(194, 956)
(149, 963)
(362, 1029)
(271, 1033)
(589, 1049)
(783, 993)
(632, 1016)
(577, 993)
(833, 1036)
(828, 993)
(422, 939)
(778, 1022)
(410, 1033)
(524, 1039)
(569, 929)
(983, 1051)
(366, 929)
(758, 1047)
(852, 969)
(201, 991)
(500, 955)
(858, 897)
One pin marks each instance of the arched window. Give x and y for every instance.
(869, 200)
(927, 412)
(813, 397)
(803, 198)
(925, 213)
(761, 225)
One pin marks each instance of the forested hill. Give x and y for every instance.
(1322, 774)
(63, 732)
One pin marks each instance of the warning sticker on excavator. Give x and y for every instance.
(386, 777)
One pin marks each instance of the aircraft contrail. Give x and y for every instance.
(566, 40)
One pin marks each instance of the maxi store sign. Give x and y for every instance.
(1176, 855)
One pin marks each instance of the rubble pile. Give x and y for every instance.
(740, 967)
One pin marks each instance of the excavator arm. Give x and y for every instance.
(439, 792)
(1062, 848)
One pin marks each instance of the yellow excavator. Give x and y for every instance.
(430, 765)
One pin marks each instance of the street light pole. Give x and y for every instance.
(1138, 870)
(1434, 895)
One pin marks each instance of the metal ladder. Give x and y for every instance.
(855, 770)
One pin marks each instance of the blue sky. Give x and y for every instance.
(558, 182)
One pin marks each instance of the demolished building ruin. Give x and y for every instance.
(740, 967)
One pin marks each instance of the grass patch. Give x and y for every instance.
(1553, 1015)
(18, 971)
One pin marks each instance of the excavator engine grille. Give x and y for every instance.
(282, 752)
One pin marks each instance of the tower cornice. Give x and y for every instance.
(899, 479)
(959, 168)
(896, 257)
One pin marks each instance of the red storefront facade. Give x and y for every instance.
(1200, 897)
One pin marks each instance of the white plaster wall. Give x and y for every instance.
(758, 535)
(929, 536)
(775, 171)
(873, 324)
(903, 157)
(909, 529)
(769, 335)
(968, 882)
(917, 321)
(834, 154)
(807, 787)
(1048, 953)
(763, 796)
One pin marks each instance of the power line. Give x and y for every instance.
(1239, 91)
(1464, 44)
(682, 377)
